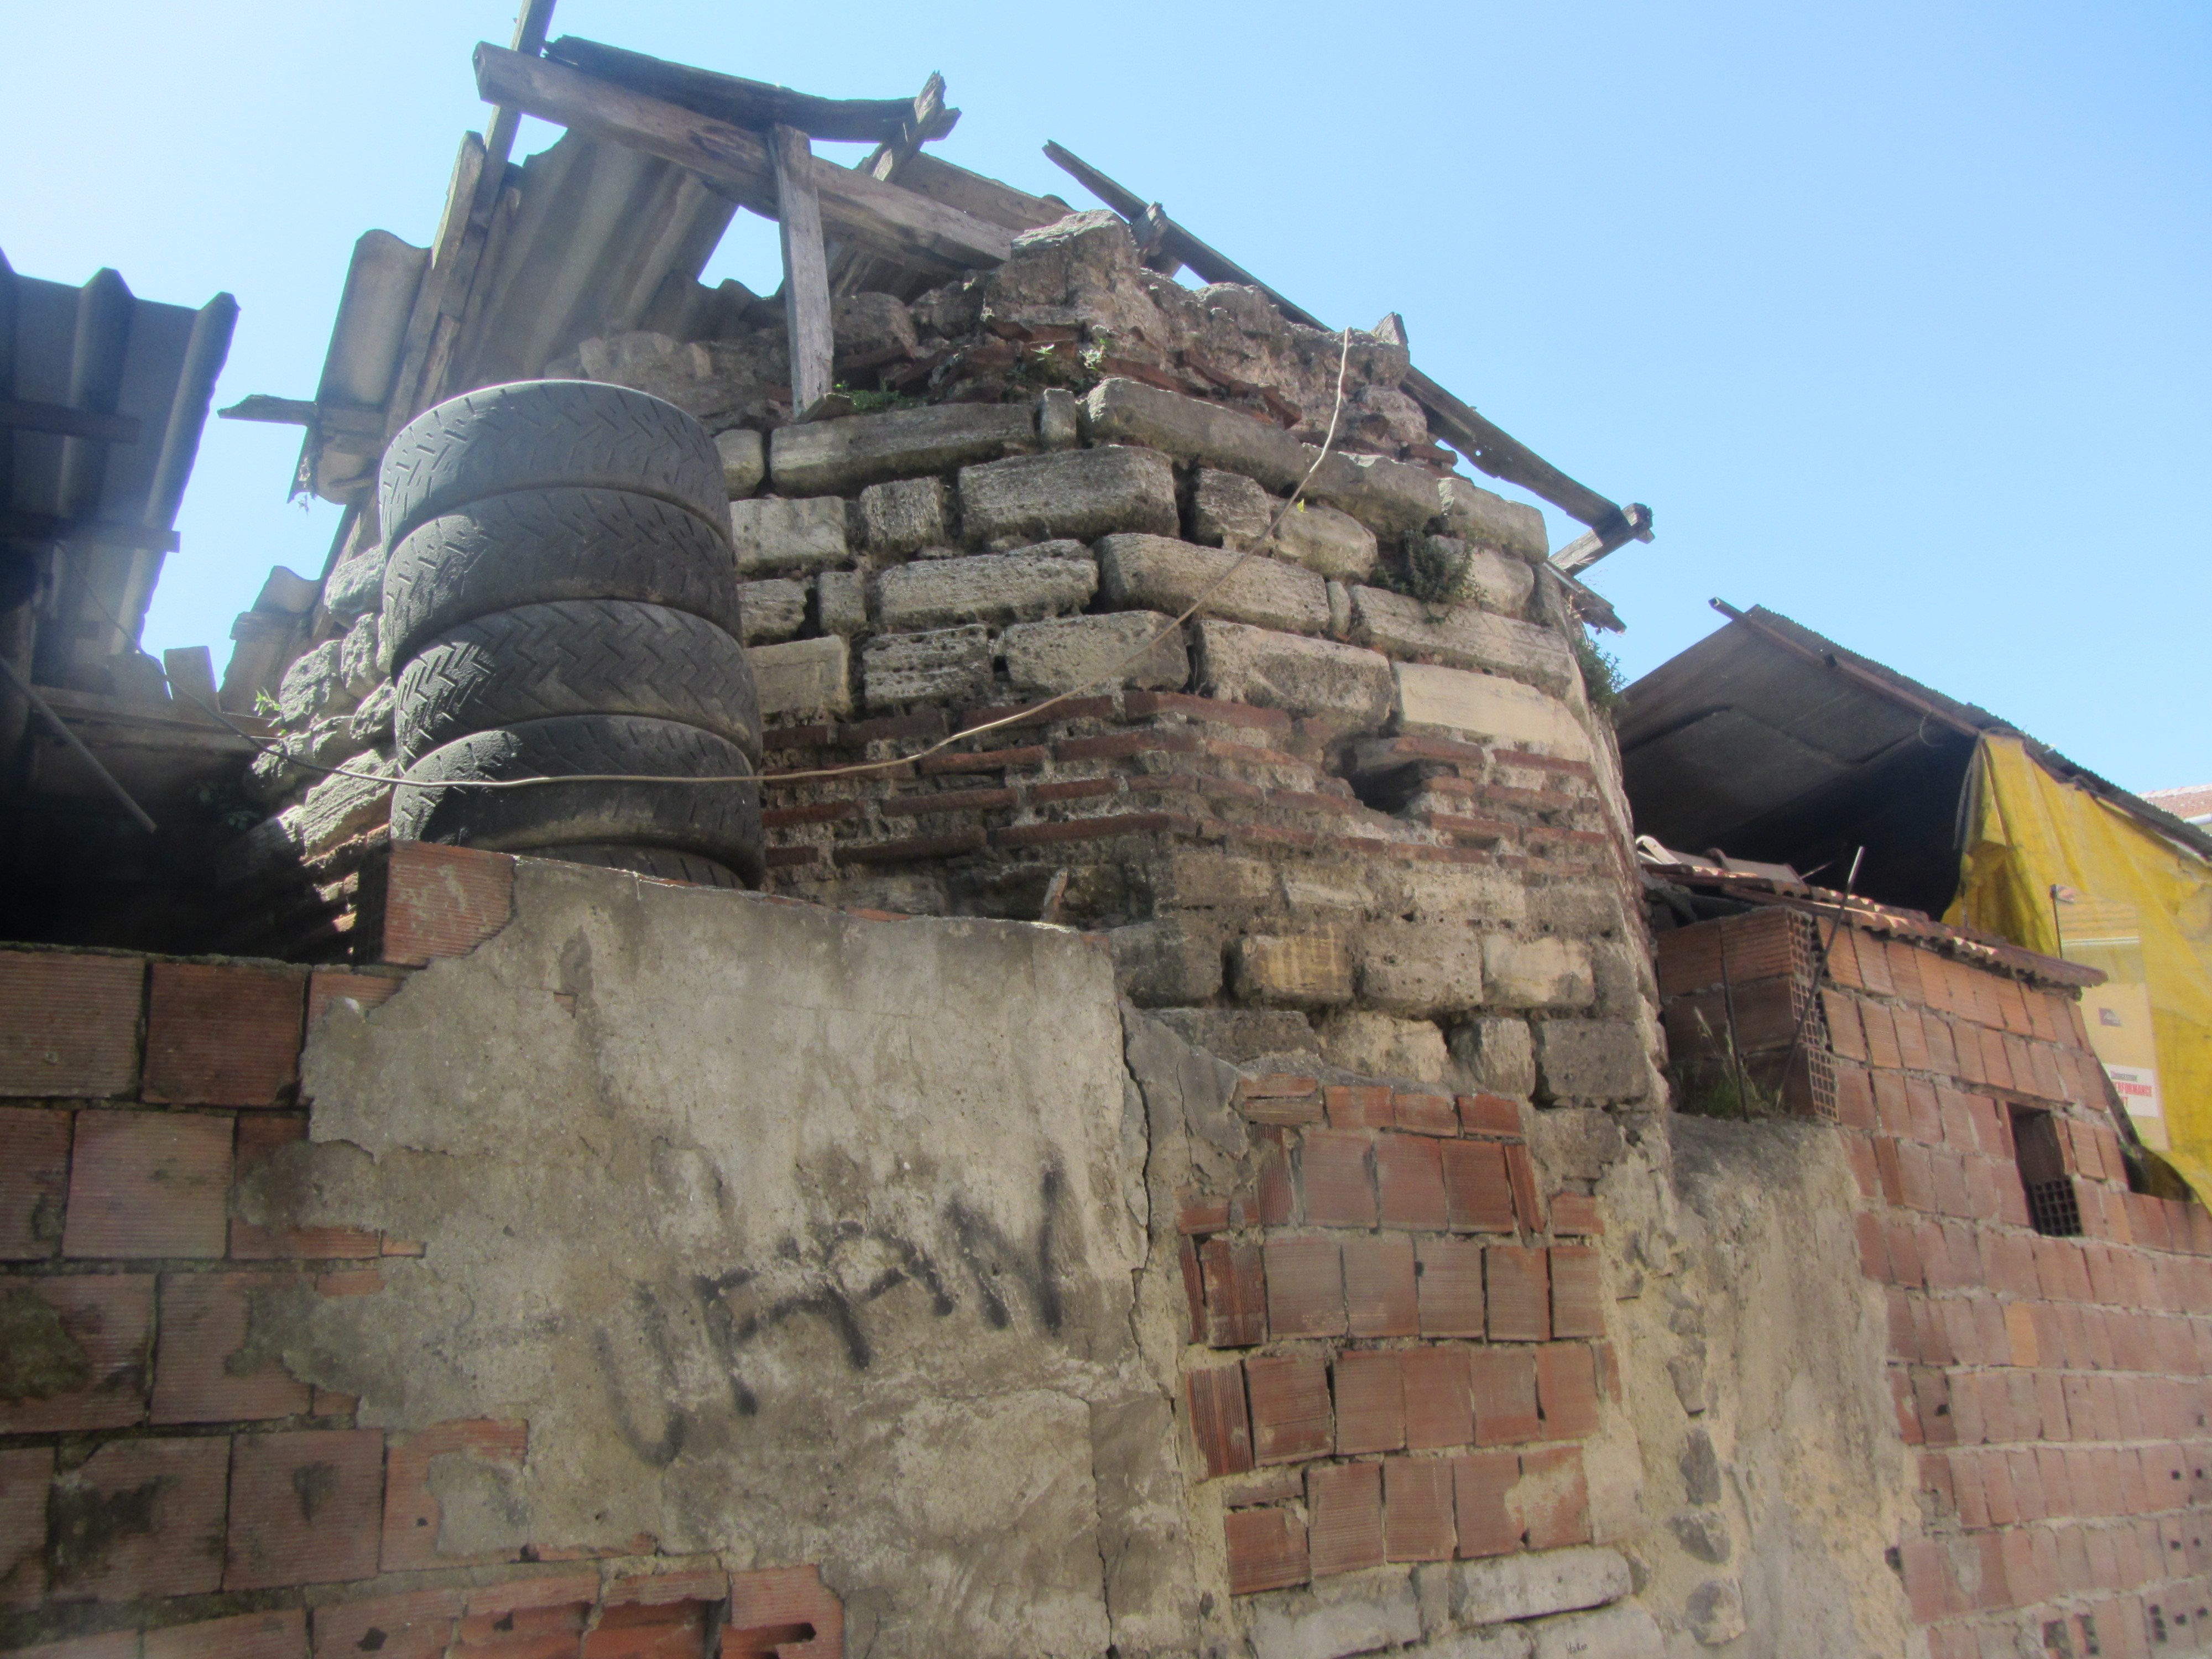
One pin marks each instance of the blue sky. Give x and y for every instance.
(1896, 315)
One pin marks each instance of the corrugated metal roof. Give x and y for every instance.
(587, 239)
(105, 396)
(1772, 742)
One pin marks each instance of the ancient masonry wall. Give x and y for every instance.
(2049, 1330)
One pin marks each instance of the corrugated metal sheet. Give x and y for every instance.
(84, 519)
(1771, 742)
(588, 238)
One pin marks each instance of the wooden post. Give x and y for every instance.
(805, 267)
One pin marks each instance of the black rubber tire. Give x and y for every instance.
(577, 657)
(719, 821)
(542, 545)
(661, 863)
(541, 434)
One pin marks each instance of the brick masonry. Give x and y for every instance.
(2049, 1363)
(1400, 1395)
(169, 1490)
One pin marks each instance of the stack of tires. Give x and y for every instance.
(561, 600)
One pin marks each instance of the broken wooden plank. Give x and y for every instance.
(331, 420)
(753, 104)
(900, 224)
(1488, 447)
(852, 271)
(805, 268)
(1587, 550)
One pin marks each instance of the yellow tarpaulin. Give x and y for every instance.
(2126, 900)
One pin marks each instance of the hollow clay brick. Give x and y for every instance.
(148, 1184)
(223, 1034)
(304, 1508)
(72, 1025)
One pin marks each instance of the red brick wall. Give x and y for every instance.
(2055, 1384)
(167, 1490)
(1423, 1335)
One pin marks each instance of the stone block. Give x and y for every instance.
(1460, 704)
(1545, 972)
(1227, 509)
(1514, 1587)
(1421, 968)
(1505, 1642)
(989, 587)
(1488, 520)
(1060, 419)
(907, 515)
(870, 328)
(1083, 493)
(1352, 688)
(1160, 574)
(771, 610)
(1323, 539)
(1597, 1061)
(1293, 970)
(357, 655)
(744, 460)
(821, 457)
(806, 677)
(841, 602)
(1382, 1045)
(1163, 963)
(1462, 636)
(1493, 580)
(1464, 893)
(771, 534)
(1715, 1613)
(1241, 1034)
(1353, 1615)
(1074, 651)
(355, 587)
(1125, 411)
(314, 687)
(946, 665)
(1388, 496)
(1618, 1632)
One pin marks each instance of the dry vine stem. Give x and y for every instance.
(1024, 717)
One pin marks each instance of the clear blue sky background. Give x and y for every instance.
(1896, 314)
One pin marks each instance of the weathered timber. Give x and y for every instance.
(439, 288)
(900, 224)
(1495, 450)
(23, 415)
(1587, 550)
(19, 526)
(805, 267)
(756, 104)
(851, 271)
(329, 419)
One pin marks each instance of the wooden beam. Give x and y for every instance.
(852, 271)
(23, 415)
(1488, 447)
(102, 533)
(754, 103)
(331, 420)
(805, 268)
(898, 223)
(1585, 550)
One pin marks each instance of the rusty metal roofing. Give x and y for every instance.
(102, 399)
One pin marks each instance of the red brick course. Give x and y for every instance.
(148, 1184)
(305, 1507)
(72, 1027)
(223, 1034)
(92, 1333)
(35, 1148)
